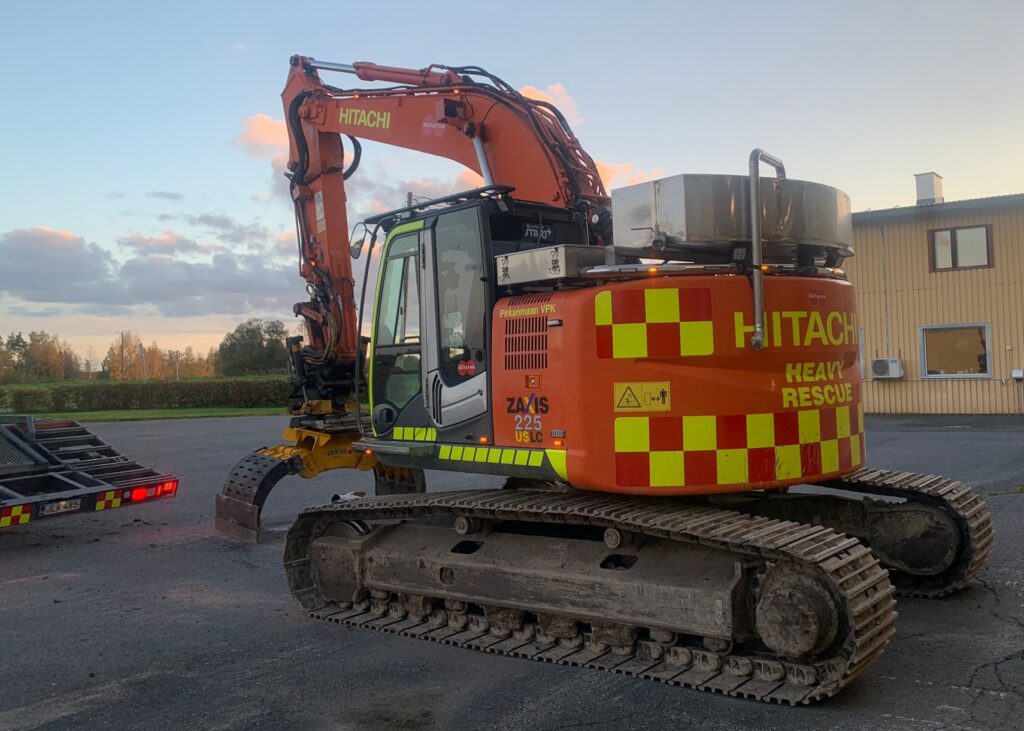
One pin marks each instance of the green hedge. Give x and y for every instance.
(113, 396)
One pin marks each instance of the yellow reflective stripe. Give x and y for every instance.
(629, 340)
(557, 459)
(810, 426)
(732, 466)
(699, 433)
(603, 308)
(667, 469)
(760, 430)
(503, 456)
(632, 434)
(842, 421)
(661, 305)
(830, 455)
(744, 463)
(414, 433)
(696, 338)
(787, 462)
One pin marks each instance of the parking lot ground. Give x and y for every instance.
(145, 617)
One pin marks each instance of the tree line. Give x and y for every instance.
(255, 347)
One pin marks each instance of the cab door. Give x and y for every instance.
(455, 387)
(395, 366)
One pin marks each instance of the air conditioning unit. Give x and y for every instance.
(886, 368)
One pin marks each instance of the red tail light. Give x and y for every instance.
(149, 492)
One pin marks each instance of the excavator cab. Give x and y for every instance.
(430, 326)
(429, 362)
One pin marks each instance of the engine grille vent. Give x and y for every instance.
(526, 342)
(528, 299)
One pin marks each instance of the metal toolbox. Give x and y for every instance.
(547, 264)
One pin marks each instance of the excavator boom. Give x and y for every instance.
(490, 128)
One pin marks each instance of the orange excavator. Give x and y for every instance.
(659, 375)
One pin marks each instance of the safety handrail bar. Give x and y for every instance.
(757, 156)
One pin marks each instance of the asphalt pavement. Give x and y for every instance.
(145, 617)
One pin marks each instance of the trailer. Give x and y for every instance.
(57, 467)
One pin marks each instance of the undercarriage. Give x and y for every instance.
(673, 590)
(691, 595)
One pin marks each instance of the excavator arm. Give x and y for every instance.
(464, 114)
(487, 126)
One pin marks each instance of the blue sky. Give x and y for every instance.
(122, 125)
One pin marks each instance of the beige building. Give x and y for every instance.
(941, 300)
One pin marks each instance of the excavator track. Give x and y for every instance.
(933, 538)
(854, 579)
(969, 512)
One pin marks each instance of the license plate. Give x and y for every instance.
(60, 506)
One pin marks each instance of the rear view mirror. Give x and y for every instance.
(357, 239)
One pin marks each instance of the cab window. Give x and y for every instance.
(461, 295)
(396, 350)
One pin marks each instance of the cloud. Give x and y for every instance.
(229, 230)
(224, 227)
(625, 173)
(165, 195)
(375, 196)
(239, 46)
(114, 195)
(263, 136)
(558, 95)
(229, 284)
(169, 242)
(469, 179)
(45, 267)
(285, 243)
(280, 185)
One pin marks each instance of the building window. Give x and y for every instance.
(969, 247)
(956, 351)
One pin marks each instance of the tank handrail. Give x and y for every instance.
(757, 156)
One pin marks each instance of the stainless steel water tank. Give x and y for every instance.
(688, 213)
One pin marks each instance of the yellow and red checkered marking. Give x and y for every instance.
(673, 451)
(109, 499)
(664, 322)
(15, 515)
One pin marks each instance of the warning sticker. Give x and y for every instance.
(318, 203)
(643, 396)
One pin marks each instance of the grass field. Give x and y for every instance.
(143, 414)
(86, 381)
